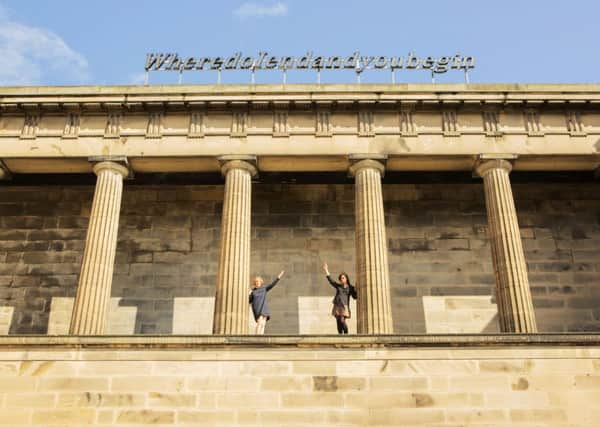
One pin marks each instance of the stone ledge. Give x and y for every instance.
(146, 342)
(257, 89)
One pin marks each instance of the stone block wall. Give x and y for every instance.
(444, 387)
(440, 258)
(297, 228)
(561, 237)
(438, 254)
(42, 236)
(168, 249)
(167, 256)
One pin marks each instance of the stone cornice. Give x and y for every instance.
(147, 342)
(142, 98)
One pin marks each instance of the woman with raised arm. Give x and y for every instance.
(258, 299)
(341, 302)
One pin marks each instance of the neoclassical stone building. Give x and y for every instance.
(132, 218)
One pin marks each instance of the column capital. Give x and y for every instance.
(113, 166)
(247, 163)
(118, 164)
(358, 163)
(483, 166)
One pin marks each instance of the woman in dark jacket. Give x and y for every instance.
(341, 302)
(258, 299)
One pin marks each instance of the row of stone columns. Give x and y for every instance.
(374, 302)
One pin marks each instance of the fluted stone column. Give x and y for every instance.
(95, 280)
(231, 299)
(515, 307)
(373, 302)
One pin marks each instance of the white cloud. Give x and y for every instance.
(30, 54)
(255, 10)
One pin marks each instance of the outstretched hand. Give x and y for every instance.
(281, 274)
(326, 268)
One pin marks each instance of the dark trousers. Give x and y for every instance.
(342, 327)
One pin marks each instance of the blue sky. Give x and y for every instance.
(105, 42)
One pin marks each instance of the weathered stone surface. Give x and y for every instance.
(555, 386)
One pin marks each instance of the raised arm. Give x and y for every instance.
(274, 282)
(329, 279)
(332, 282)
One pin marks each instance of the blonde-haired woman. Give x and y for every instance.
(258, 299)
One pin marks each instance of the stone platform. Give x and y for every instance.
(435, 380)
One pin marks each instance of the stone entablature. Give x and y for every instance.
(153, 125)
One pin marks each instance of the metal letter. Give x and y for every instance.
(272, 63)
(428, 63)
(442, 64)
(189, 64)
(217, 63)
(334, 62)
(351, 62)
(247, 63)
(304, 62)
(412, 62)
(232, 62)
(381, 62)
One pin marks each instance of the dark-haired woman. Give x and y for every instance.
(341, 302)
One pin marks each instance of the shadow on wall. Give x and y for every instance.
(167, 256)
(193, 316)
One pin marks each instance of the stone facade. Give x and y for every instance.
(345, 385)
(167, 256)
(325, 128)
(418, 244)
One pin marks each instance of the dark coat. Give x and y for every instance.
(258, 299)
(342, 294)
